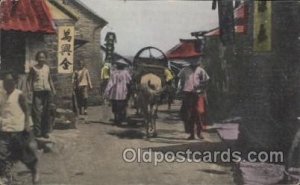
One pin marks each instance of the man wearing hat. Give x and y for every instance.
(193, 79)
(117, 90)
(16, 138)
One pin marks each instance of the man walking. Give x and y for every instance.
(117, 91)
(193, 79)
(16, 138)
(105, 73)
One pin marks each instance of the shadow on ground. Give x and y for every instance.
(211, 171)
(128, 134)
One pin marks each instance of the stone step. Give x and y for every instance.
(227, 131)
(261, 173)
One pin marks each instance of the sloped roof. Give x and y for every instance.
(91, 12)
(64, 9)
(117, 56)
(26, 16)
(185, 49)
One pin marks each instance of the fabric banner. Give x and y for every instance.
(262, 26)
(65, 49)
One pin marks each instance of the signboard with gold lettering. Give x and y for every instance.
(65, 49)
(262, 26)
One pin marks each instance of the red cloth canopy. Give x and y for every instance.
(240, 17)
(185, 49)
(26, 16)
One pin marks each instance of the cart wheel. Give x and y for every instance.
(151, 53)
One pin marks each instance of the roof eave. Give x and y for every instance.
(64, 9)
(97, 18)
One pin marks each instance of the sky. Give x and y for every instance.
(161, 24)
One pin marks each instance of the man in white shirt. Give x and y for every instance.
(16, 139)
(41, 84)
(192, 79)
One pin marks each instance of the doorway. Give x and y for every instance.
(12, 47)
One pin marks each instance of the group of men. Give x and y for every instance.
(19, 125)
(193, 81)
(27, 114)
(17, 129)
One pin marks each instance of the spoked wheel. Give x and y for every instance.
(150, 55)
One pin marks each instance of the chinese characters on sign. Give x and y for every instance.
(262, 26)
(65, 49)
(110, 39)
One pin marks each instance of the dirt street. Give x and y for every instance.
(92, 155)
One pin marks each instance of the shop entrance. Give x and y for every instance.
(12, 54)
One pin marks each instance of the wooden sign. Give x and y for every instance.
(65, 49)
(262, 26)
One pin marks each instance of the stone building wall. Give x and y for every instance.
(88, 29)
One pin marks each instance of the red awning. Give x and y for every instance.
(240, 12)
(186, 49)
(25, 16)
(240, 17)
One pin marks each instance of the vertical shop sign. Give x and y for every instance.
(65, 49)
(262, 26)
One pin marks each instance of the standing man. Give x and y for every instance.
(105, 73)
(193, 80)
(117, 91)
(83, 83)
(169, 76)
(41, 85)
(16, 139)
